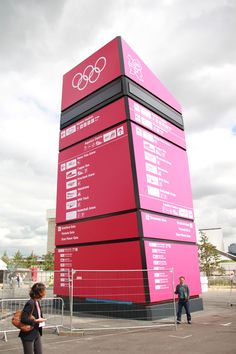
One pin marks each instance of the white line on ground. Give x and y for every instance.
(226, 324)
(190, 335)
(9, 350)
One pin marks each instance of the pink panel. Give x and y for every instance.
(143, 116)
(94, 72)
(163, 227)
(112, 285)
(162, 256)
(102, 229)
(95, 177)
(163, 175)
(140, 73)
(103, 118)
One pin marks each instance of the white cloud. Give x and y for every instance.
(213, 170)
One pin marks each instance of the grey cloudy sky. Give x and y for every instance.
(190, 45)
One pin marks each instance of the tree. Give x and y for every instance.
(18, 260)
(48, 263)
(31, 260)
(5, 258)
(209, 257)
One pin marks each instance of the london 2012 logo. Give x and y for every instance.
(90, 74)
(135, 67)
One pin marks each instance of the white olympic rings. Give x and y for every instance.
(135, 67)
(90, 74)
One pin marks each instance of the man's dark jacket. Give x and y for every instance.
(186, 291)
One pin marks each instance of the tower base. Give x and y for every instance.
(129, 310)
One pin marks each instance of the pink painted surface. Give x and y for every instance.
(163, 175)
(167, 228)
(140, 73)
(94, 123)
(115, 284)
(115, 227)
(95, 177)
(143, 116)
(94, 72)
(160, 257)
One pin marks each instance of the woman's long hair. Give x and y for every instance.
(37, 291)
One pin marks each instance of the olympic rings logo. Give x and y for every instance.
(90, 74)
(135, 67)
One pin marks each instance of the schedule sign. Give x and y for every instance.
(95, 177)
(161, 257)
(163, 175)
(117, 285)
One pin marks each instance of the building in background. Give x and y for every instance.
(51, 219)
(3, 267)
(215, 237)
(232, 248)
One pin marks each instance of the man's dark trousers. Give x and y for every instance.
(185, 304)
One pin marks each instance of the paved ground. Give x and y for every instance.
(212, 331)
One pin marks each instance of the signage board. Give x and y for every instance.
(94, 72)
(109, 271)
(114, 59)
(163, 175)
(158, 125)
(94, 123)
(163, 257)
(168, 228)
(95, 177)
(138, 71)
(122, 226)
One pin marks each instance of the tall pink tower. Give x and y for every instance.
(124, 197)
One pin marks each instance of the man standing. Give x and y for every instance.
(182, 290)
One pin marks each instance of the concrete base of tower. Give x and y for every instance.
(164, 310)
(129, 310)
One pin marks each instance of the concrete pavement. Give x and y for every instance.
(212, 331)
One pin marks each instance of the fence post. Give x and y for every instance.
(173, 292)
(71, 294)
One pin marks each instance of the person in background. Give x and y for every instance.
(182, 290)
(18, 280)
(233, 278)
(31, 340)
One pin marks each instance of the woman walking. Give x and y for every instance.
(32, 340)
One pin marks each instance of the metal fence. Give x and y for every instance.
(16, 284)
(232, 293)
(219, 281)
(52, 308)
(95, 299)
(218, 285)
(117, 299)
